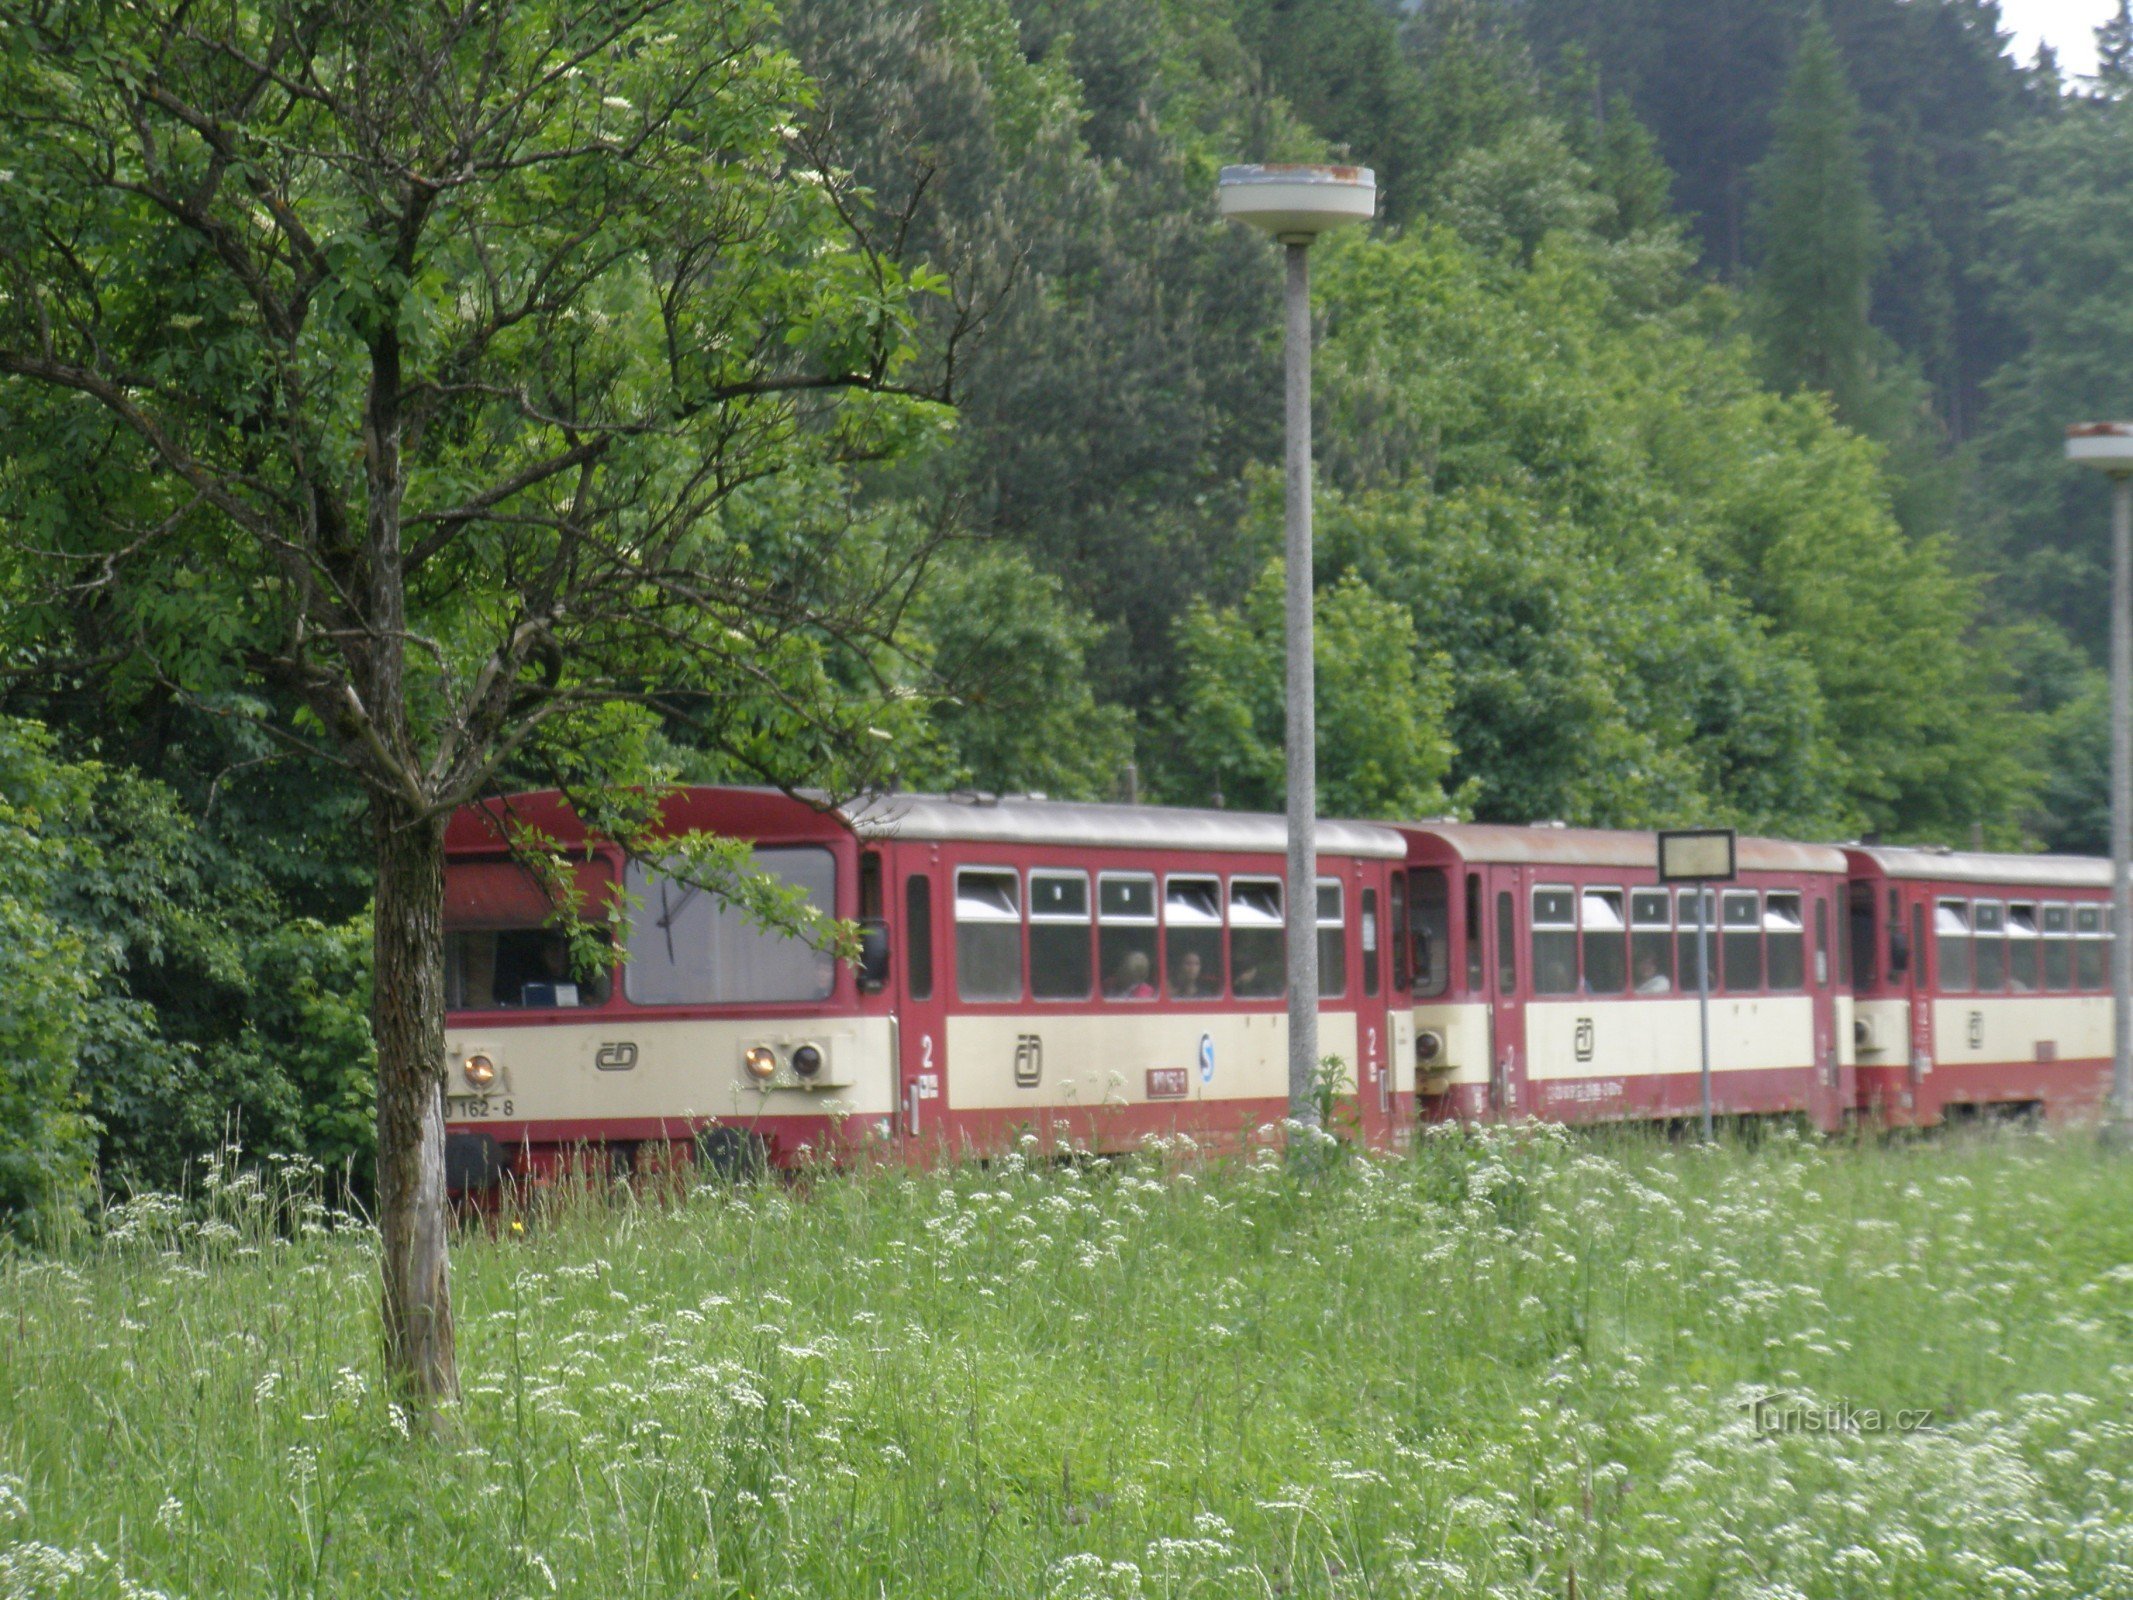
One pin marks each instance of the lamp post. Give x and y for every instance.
(1296, 204)
(2108, 447)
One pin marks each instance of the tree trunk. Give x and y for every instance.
(407, 1014)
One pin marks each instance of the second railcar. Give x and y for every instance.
(1555, 977)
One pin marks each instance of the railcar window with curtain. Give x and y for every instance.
(1951, 942)
(1651, 941)
(688, 947)
(1059, 935)
(2022, 949)
(1332, 942)
(1988, 937)
(1125, 935)
(1433, 931)
(2058, 947)
(502, 949)
(2090, 959)
(1821, 943)
(1555, 941)
(988, 934)
(1602, 931)
(1784, 940)
(1742, 938)
(1258, 940)
(1192, 938)
(1473, 933)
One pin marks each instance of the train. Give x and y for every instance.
(1097, 975)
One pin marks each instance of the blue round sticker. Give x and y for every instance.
(1207, 1058)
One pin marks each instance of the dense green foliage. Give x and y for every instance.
(1514, 1364)
(1601, 539)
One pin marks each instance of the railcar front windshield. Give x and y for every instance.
(688, 947)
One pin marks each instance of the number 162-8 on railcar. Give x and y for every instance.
(1101, 973)
(1556, 977)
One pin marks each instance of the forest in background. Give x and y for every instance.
(1688, 446)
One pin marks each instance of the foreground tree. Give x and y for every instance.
(434, 385)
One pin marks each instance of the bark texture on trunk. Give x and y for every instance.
(407, 1014)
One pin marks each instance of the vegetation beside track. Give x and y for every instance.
(1511, 1363)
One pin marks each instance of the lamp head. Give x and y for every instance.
(2104, 446)
(1297, 203)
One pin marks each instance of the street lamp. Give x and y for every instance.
(1296, 204)
(2108, 447)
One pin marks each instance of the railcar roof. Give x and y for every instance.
(1014, 819)
(1982, 866)
(1546, 845)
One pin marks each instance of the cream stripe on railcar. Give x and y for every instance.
(680, 1069)
(1645, 1038)
(1093, 1059)
(2006, 1030)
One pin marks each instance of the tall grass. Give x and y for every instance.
(1515, 1363)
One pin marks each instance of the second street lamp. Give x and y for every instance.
(2108, 447)
(1296, 204)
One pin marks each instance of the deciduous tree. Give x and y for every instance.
(439, 365)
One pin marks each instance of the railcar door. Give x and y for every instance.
(1919, 986)
(1507, 1011)
(922, 1008)
(1822, 979)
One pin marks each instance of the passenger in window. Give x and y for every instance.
(1650, 980)
(1186, 982)
(1130, 980)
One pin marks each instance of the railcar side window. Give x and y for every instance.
(1192, 937)
(1126, 934)
(918, 933)
(1899, 946)
(1697, 908)
(1432, 911)
(1821, 943)
(2022, 948)
(2058, 947)
(1989, 944)
(988, 934)
(1473, 933)
(1784, 936)
(1863, 943)
(2089, 954)
(688, 946)
(1506, 943)
(1651, 941)
(1951, 942)
(1372, 953)
(1741, 919)
(1602, 931)
(1258, 939)
(1059, 935)
(1555, 941)
(1332, 942)
(502, 968)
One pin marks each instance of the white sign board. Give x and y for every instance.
(1696, 855)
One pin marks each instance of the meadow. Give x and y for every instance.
(1509, 1363)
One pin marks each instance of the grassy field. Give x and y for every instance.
(1510, 1364)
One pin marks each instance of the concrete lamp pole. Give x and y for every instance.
(1296, 204)
(2108, 447)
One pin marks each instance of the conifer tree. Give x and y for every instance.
(2114, 54)
(1819, 230)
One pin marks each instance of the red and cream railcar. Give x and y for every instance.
(1982, 981)
(1098, 972)
(1555, 977)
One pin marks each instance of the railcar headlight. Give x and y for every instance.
(761, 1062)
(806, 1061)
(480, 1070)
(1428, 1045)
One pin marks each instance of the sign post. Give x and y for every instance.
(1700, 856)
